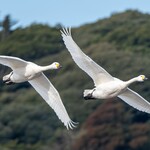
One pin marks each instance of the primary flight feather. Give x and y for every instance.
(27, 71)
(106, 86)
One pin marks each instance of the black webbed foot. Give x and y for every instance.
(88, 97)
(8, 82)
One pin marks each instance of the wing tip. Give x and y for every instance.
(66, 31)
(71, 125)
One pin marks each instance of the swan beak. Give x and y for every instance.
(59, 67)
(145, 78)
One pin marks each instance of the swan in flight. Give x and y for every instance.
(27, 71)
(106, 86)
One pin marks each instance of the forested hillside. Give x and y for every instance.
(120, 44)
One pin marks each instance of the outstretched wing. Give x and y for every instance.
(96, 72)
(44, 87)
(12, 62)
(135, 100)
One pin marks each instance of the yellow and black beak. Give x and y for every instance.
(144, 77)
(58, 66)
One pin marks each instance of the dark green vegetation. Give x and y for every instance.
(121, 45)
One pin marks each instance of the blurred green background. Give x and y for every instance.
(120, 44)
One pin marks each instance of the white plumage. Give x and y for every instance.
(106, 86)
(27, 71)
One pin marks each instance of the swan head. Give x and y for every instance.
(141, 78)
(56, 65)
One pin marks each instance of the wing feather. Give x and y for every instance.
(48, 92)
(135, 100)
(96, 72)
(12, 62)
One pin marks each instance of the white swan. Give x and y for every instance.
(27, 71)
(106, 86)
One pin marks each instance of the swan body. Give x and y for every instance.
(106, 86)
(111, 89)
(27, 71)
(106, 90)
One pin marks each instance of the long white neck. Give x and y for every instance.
(49, 67)
(131, 81)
